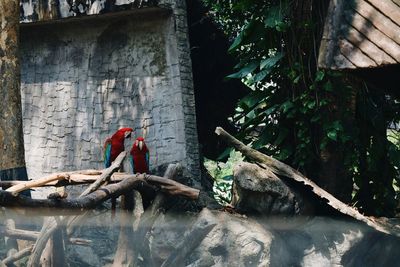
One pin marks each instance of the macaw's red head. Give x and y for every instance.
(123, 133)
(139, 143)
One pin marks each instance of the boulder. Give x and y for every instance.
(259, 190)
(236, 240)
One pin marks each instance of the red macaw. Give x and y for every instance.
(115, 145)
(140, 156)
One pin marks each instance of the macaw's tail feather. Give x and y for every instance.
(107, 153)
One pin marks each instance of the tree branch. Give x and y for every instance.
(17, 256)
(105, 176)
(128, 183)
(282, 169)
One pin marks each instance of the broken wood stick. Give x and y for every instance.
(285, 170)
(79, 241)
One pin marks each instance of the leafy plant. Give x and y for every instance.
(327, 124)
(222, 172)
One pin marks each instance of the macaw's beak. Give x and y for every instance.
(128, 134)
(140, 145)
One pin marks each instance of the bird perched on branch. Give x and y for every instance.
(115, 145)
(140, 156)
(139, 159)
(112, 148)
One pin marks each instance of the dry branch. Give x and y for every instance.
(35, 183)
(17, 256)
(141, 245)
(105, 176)
(51, 180)
(90, 201)
(52, 225)
(33, 235)
(282, 169)
(11, 243)
(49, 226)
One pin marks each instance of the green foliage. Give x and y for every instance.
(222, 172)
(298, 113)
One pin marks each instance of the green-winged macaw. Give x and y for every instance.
(140, 156)
(115, 145)
(112, 148)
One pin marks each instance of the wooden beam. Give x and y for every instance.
(355, 55)
(370, 32)
(379, 20)
(388, 8)
(356, 38)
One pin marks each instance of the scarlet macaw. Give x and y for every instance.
(115, 145)
(140, 156)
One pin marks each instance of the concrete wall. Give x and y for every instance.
(84, 79)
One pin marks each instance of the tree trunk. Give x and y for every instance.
(12, 157)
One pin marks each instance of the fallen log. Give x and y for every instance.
(282, 169)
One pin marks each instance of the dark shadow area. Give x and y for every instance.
(387, 78)
(216, 98)
(376, 249)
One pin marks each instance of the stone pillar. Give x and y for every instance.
(12, 156)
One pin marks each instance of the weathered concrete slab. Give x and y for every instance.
(84, 78)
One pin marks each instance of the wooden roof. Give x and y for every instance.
(361, 34)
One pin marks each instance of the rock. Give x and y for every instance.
(232, 243)
(84, 256)
(229, 241)
(224, 239)
(259, 190)
(166, 235)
